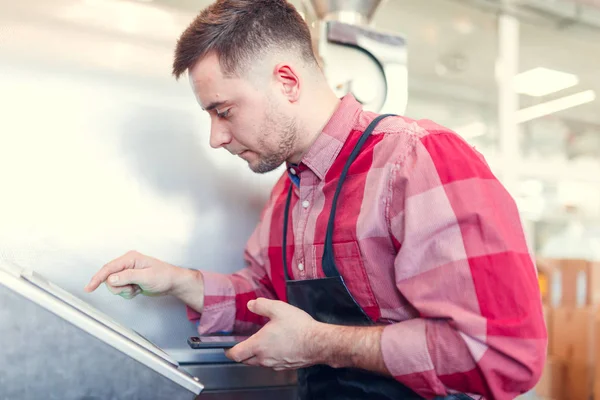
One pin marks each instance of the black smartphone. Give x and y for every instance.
(215, 341)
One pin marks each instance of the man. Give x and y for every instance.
(414, 281)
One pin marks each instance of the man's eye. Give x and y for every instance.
(223, 114)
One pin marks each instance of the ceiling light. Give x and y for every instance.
(550, 107)
(463, 25)
(540, 81)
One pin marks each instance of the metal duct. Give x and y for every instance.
(357, 12)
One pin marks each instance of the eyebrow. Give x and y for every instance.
(214, 105)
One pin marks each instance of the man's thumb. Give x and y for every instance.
(265, 307)
(127, 277)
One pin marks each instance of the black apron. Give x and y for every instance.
(328, 300)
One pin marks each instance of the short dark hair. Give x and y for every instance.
(240, 30)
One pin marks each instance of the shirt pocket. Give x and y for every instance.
(350, 265)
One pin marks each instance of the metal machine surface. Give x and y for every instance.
(102, 355)
(43, 354)
(102, 153)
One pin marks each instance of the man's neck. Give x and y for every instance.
(318, 114)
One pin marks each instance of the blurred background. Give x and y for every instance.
(102, 151)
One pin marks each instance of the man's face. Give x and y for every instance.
(248, 121)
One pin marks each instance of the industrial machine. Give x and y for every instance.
(356, 57)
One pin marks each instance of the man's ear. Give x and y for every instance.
(289, 80)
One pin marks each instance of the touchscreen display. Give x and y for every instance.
(86, 308)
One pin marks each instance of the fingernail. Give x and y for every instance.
(114, 279)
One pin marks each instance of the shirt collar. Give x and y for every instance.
(323, 152)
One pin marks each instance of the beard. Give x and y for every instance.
(283, 127)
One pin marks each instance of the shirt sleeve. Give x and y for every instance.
(464, 265)
(226, 295)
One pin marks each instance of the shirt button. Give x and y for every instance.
(301, 267)
(292, 171)
(305, 204)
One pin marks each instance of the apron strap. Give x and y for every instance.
(286, 213)
(328, 262)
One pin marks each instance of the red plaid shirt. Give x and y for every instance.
(428, 242)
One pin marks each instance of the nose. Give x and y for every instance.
(219, 136)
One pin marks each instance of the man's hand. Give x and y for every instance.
(292, 339)
(287, 341)
(135, 273)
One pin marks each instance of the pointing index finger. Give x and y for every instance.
(117, 265)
